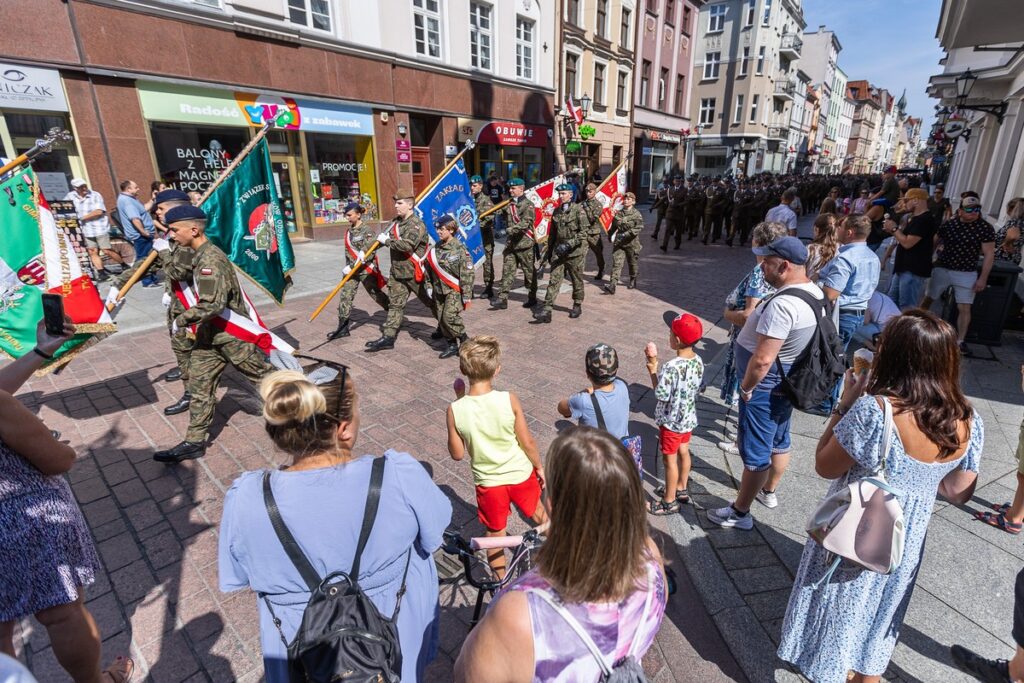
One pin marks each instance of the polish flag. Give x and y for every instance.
(610, 195)
(545, 200)
(575, 112)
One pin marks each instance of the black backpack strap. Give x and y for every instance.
(291, 546)
(369, 514)
(823, 305)
(597, 410)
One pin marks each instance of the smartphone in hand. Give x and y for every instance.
(53, 314)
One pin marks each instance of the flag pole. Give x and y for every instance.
(496, 208)
(614, 171)
(373, 247)
(140, 272)
(44, 145)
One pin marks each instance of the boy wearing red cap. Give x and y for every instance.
(676, 387)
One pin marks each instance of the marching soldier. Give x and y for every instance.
(217, 289)
(175, 262)
(592, 209)
(694, 207)
(567, 249)
(519, 245)
(626, 246)
(407, 240)
(358, 238)
(483, 203)
(662, 198)
(676, 214)
(451, 274)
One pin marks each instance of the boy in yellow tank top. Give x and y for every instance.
(490, 425)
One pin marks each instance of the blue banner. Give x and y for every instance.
(450, 194)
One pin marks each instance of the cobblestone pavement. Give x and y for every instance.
(156, 526)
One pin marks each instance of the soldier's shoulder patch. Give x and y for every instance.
(206, 271)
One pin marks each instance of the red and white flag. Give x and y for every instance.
(610, 195)
(545, 200)
(247, 328)
(575, 112)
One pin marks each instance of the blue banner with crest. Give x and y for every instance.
(451, 194)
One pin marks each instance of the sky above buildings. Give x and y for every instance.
(888, 42)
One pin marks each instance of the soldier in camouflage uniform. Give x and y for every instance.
(407, 240)
(592, 208)
(358, 240)
(519, 244)
(216, 289)
(567, 249)
(451, 275)
(626, 246)
(176, 264)
(483, 203)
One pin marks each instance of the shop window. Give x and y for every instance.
(54, 170)
(190, 158)
(344, 165)
(313, 13)
(426, 15)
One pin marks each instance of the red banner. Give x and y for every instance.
(513, 135)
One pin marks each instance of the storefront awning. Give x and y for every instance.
(507, 133)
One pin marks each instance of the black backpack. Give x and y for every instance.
(821, 364)
(342, 635)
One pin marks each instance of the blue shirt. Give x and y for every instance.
(128, 207)
(853, 273)
(782, 214)
(614, 408)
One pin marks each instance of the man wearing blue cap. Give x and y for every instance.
(175, 262)
(483, 203)
(216, 289)
(358, 239)
(567, 243)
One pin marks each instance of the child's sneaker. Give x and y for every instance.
(728, 517)
(768, 499)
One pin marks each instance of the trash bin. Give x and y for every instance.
(988, 313)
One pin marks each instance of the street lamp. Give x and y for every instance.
(964, 85)
(585, 105)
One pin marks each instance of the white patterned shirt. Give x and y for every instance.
(86, 205)
(678, 386)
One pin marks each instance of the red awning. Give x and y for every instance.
(513, 134)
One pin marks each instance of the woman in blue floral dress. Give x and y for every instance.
(851, 620)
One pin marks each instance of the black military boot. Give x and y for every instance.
(436, 334)
(609, 288)
(542, 316)
(452, 350)
(180, 406)
(576, 311)
(632, 283)
(186, 450)
(655, 235)
(530, 303)
(381, 344)
(499, 305)
(488, 293)
(599, 276)
(173, 375)
(341, 331)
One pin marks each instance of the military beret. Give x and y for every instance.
(516, 182)
(564, 187)
(353, 206)
(444, 219)
(184, 213)
(404, 193)
(476, 179)
(170, 196)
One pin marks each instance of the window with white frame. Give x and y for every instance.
(572, 62)
(524, 48)
(426, 15)
(622, 90)
(480, 35)
(766, 19)
(738, 116)
(663, 89)
(751, 12)
(712, 60)
(625, 29)
(707, 110)
(602, 18)
(313, 13)
(760, 61)
(599, 72)
(716, 18)
(753, 108)
(745, 61)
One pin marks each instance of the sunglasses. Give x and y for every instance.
(341, 369)
(971, 209)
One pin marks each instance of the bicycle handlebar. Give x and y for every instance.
(493, 542)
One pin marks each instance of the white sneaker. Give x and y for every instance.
(727, 517)
(729, 447)
(769, 500)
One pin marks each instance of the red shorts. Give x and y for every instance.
(493, 503)
(671, 441)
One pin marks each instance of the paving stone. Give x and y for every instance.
(760, 579)
(747, 557)
(118, 551)
(769, 605)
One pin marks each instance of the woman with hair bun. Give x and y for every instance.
(321, 494)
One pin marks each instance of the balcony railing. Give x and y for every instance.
(785, 89)
(778, 132)
(791, 44)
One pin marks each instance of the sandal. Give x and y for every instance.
(998, 520)
(682, 495)
(1001, 508)
(121, 670)
(660, 507)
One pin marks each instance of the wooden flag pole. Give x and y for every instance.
(494, 209)
(373, 247)
(43, 146)
(140, 272)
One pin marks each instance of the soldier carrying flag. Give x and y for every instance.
(451, 275)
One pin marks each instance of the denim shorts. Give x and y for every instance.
(763, 428)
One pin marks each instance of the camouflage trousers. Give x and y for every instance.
(620, 255)
(488, 261)
(348, 294)
(595, 244)
(399, 291)
(573, 267)
(449, 314)
(205, 367)
(181, 344)
(512, 261)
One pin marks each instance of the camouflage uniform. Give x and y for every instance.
(176, 264)
(453, 258)
(518, 252)
(217, 289)
(568, 226)
(483, 203)
(626, 227)
(591, 210)
(361, 237)
(410, 243)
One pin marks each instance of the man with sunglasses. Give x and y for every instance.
(961, 242)
(939, 205)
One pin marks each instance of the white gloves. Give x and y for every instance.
(112, 296)
(382, 238)
(347, 270)
(166, 300)
(160, 244)
(174, 327)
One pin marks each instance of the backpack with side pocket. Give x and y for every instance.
(821, 364)
(342, 635)
(633, 444)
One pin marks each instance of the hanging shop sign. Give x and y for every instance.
(25, 87)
